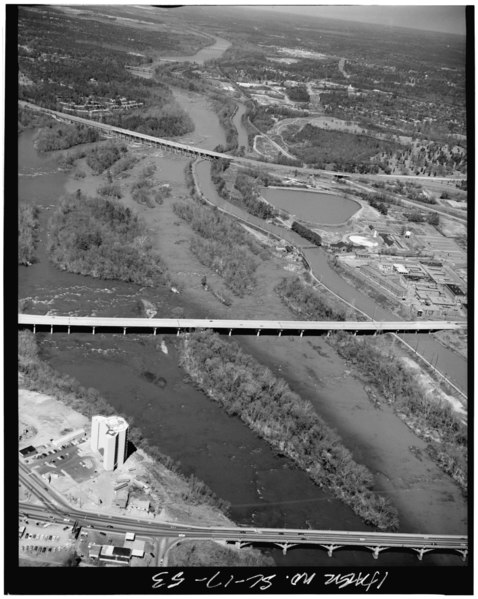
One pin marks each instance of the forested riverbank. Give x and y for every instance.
(27, 234)
(430, 418)
(222, 245)
(268, 406)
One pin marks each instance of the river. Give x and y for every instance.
(211, 52)
(137, 378)
(446, 360)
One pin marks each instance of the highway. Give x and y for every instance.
(106, 324)
(176, 146)
(57, 509)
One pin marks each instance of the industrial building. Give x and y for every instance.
(109, 436)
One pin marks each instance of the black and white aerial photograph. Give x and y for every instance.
(242, 296)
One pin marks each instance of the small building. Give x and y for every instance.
(94, 551)
(21, 531)
(122, 497)
(400, 268)
(130, 536)
(135, 545)
(28, 451)
(138, 549)
(116, 555)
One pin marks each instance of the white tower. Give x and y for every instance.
(109, 436)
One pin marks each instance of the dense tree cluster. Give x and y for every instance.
(306, 303)
(103, 156)
(167, 121)
(30, 119)
(61, 136)
(225, 110)
(223, 246)
(146, 192)
(207, 553)
(248, 187)
(27, 233)
(426, 413)
(343, 151)
(100, 238)
(307, 233)
(39, 376)
(289, 423)
(380, 206)
(298, 93)
(110, 190)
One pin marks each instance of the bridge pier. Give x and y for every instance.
(230, 332)
(154, 333)
(376, 551)
(177, 334)
(331, 549)
(463, 553)
(34, 329)
(421, 552)
(68, 329)
(285, 546)
(258, 332)
(93, 330)
(241, 544)
(124, 330)
(302, 333)
(51, 330)
(280, 333)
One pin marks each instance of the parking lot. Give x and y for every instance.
(68, 459)
(45, 542)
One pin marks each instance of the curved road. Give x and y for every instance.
(285, 538)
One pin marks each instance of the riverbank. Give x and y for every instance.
(53, 402)
(308, 372)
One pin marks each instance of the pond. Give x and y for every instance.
(312, 206)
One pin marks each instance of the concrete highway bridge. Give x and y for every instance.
(185, 149)
(89, 324)
(57, 509)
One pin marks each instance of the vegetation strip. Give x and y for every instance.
(430, 418)
(222, 245)
(288, 422)
(27, 234)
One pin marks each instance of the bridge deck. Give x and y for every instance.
(207, 153)
(256, 325)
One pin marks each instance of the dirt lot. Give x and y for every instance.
(47, 417)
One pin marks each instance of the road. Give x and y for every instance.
(211, 154)
(57, 509)
(187, 324)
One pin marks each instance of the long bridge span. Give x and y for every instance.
(90, 324)
(56, 507)
(180, 148)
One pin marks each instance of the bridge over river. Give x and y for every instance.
(72, 324)
(180, 148)
(56, 507)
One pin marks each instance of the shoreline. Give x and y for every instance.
(195, 294)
